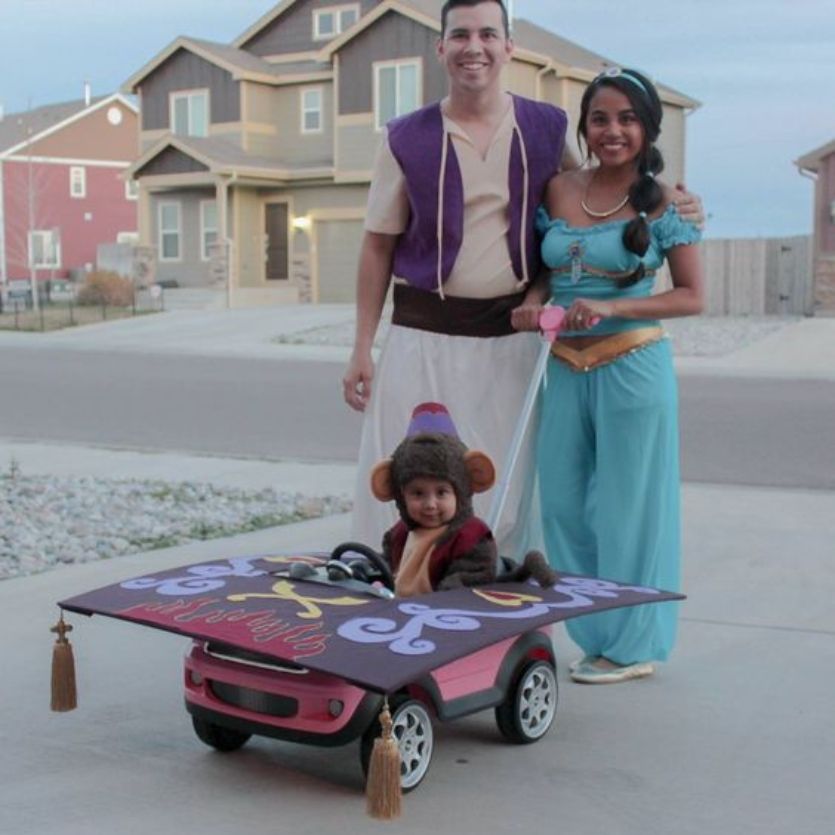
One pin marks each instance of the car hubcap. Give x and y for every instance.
(537, 701)
(413, 732)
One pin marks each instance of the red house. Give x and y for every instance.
(61, 190)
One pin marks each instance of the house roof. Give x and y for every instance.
(233, 58)
(427, 8)
(532, 43)
(262, 22)
(287, 69)
(220, 156)
(812, 160)
(426, 12)
(252, 67)
(533, 38)
(17, 129)
(238, 62)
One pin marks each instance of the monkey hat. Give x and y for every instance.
(432, 449)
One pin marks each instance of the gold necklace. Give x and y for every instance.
(593, 213)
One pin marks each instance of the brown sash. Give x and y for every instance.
(453, 315)
(607, 350)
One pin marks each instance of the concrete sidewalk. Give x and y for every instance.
(734, 736)
(803, 348)
(56, 459)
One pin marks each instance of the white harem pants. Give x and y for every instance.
(482, 381)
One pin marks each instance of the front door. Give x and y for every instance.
(277, 238)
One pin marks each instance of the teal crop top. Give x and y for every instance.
(585, 261)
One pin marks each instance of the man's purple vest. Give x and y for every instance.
(416, 141)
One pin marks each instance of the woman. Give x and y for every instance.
(608, 439)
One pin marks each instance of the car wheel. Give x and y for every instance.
(531, 704)
(412, 728)
(222, 739)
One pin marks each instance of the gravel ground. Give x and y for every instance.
(47, 521)
(697, 336)
(715, 336)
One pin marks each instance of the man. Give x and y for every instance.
(451, 339)
(450, 223)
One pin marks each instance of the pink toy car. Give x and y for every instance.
(233, 693)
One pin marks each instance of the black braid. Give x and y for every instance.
(645, 197)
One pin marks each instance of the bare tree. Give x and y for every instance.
(32, 227)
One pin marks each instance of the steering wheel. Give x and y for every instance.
(376, 560)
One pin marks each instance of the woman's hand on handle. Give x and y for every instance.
(585, 313)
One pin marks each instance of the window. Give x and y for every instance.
(44, 249)
(332, 20)
(169, 231)
(190, 113)
(312, 110)
(78, 181)
(396, 89)
(131, 190)
(208, 228)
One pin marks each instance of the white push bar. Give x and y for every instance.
(550, 322)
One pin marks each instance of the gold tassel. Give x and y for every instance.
(382, 789)
(63, 669)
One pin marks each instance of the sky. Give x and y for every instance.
(763, 70)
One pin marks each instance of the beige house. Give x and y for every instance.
(820, 164)
(256, 156)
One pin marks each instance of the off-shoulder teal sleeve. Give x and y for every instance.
(542, 222)
(670, 230)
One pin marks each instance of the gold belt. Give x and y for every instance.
(607, 350)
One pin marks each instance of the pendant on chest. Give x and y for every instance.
(575, 251)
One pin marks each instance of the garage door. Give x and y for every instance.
(337, 250)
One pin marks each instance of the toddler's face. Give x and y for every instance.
(430, 502)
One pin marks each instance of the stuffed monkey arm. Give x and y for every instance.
(476, 567)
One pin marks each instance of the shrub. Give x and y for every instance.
(106, 288)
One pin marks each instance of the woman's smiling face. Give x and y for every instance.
(614, 133)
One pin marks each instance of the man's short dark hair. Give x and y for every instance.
(454, 4)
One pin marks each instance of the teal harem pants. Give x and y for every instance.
(608, 462)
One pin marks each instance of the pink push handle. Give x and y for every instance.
(551, 319)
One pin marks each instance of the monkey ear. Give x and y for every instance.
(481, 470)
(381, 483)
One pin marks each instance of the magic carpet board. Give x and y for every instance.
(251, 603)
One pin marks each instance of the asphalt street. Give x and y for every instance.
(735, 430)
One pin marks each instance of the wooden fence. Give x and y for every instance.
(757, 276)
